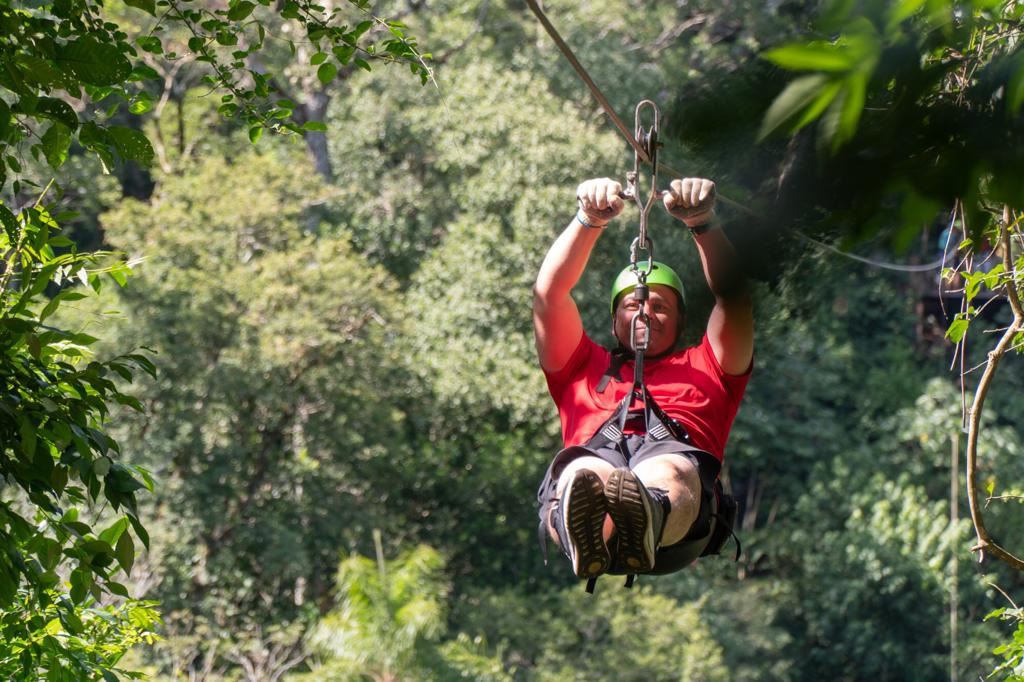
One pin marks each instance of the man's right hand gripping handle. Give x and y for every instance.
(599, 201)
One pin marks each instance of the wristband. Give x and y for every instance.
(701, 229)
(584, 223)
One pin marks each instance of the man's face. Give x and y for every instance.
(663, 311)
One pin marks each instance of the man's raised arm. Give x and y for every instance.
(557, 325)
(731, 325)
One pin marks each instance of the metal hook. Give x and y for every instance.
(648, 139)
(640, 338)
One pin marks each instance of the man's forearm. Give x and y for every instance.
(566, 260)
(721, 270)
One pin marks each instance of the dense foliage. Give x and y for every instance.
(346, 427)
(61, 469)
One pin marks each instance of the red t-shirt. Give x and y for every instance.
(689, 385)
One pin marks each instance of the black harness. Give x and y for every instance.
(717, 515)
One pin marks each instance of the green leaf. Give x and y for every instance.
(96, 547)
(903, 9)
(130, 401)
(362, 64)
(143, 103)
(27, 432)
(839, 124)
(8, 588)
(51, 307)
(56, 142)
(327, 72)
(343, 53)
(121, 480)
(814, 56)
(140, 530)
(114, 531)
(1015, 85)
(5, 122)
(49, 553)
(118, 589)
(361, 28)
(255, 133)
(957, 329)
(93, 62)
(992, 277)
(72, 623)
(240, 11)
(131, 144)
(318, 58)
(818, 104)
(81, 581)
(48, 578)
(150, 44)
(38, 71)
(147, 477)
(57, 110)
(148, 6)
(143, 72)
(125, 553)
(855, 91)
(97, 140)
(9, 223)
(290, 10)
(315, 126)
(101, 467)
(59, 478)
(799, 94)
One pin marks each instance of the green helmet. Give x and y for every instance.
(660, 274)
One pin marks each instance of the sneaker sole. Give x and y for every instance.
(584, 513)
(630, 509)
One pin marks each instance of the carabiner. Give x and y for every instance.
(634, 258)
(648, 139)
(640, 337)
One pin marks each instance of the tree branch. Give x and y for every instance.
(985, 541)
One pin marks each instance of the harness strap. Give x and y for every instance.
(614, 370)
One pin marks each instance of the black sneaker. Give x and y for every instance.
(639, 516)
(579, 521)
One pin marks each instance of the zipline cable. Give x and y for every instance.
(585, 77)
(642, 153)
(925, 267)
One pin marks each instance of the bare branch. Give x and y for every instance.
(985, 541)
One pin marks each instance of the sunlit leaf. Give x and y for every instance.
(957, 330)
(798, 95)
(903, 9)
(816, 56)
(844, 114)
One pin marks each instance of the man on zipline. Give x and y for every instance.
(617, 499)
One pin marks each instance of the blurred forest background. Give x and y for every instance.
(346, 425)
